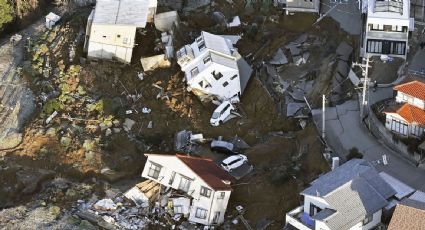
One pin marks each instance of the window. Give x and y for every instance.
(417, 130)
(154, 170)
(199, 39)
(221, 195)
(184, 184)
(178, 209)
(194, 71)
(223, 111)
(201, 46)
(233, 77)
(367, 219)
(399, 127)
(171, 181)
(314, 209)
(104, 36)
(118, 36)
(201, 213)
(216, 75)
(207, 59)
(201, 83)
(205, 191)
(225, 84)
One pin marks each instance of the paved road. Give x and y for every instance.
(344, 131)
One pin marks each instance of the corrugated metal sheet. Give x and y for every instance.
(122, 12)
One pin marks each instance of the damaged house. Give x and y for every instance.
(351, 196)
(387, 28)
(204, 184)
(111, 28)
(213, 68)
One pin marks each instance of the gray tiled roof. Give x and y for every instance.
(121, 12)
(354, 190)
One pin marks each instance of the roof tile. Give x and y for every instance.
(413, 88)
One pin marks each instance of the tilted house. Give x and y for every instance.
(201, 179)
(312, 6)
(350, 197)
(213, 69)
(387, 28)
(408, 119)
(111, 27)
(409, 214)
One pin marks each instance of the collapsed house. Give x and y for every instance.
(202, 189)
(111, 28)
(213, 68)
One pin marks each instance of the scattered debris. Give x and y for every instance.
(105, 205)
(157, 61)
(51, 20)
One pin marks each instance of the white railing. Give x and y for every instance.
(292, 220)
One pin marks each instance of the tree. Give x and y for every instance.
(6, 13)
(354, 153)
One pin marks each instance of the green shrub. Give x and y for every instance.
(6, 13)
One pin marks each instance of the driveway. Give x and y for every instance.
(344, 131)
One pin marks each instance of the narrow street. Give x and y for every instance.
(344, 131)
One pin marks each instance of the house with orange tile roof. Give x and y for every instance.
(408, 119)
(202, 180)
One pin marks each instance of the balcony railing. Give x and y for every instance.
(294, 218)
(387, 35)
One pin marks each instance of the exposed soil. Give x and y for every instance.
(282, 166)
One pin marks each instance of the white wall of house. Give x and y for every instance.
(404, 98)
(198, 72)
(171, 167)
(317, 201)
(111, 41)
(397, 124)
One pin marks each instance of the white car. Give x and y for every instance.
(221, 113)
(233, 162)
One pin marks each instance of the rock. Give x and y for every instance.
(89, 145)
(85, 225)
(51, 131)
(10, 140)
(66, 141)
(32, 178)
(116, 123)
(73, 220)
(71, 194)
(105, 205)
(108, 132)
(54, 211)
(117, 130)
(103, 126)
(150, 125)
(128, 124)
(111, 175)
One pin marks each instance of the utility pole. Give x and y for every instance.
(365, 87)
(365, 73)
(323, 116)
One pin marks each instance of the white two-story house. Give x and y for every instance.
(213, 68)
(201, 179)
(387, 28)
(350, 197)
(111, 28)
(408, 119)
